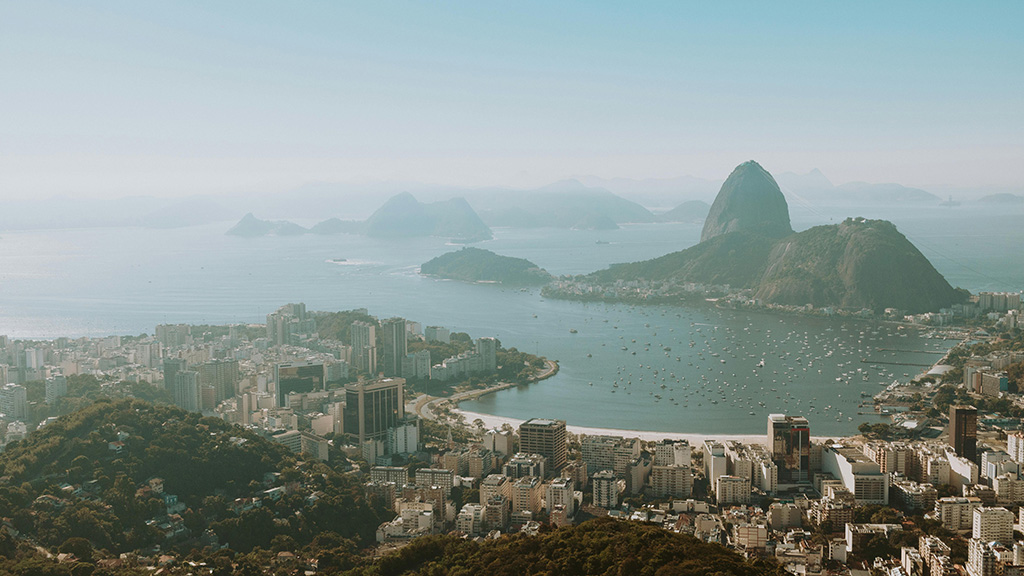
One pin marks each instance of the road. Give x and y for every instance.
(425, 405)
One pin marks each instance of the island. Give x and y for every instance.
(250, 227)
(402, 216)
(749, 251)
(479, 265)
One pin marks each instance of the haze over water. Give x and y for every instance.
(98, 282)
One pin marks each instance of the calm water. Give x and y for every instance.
(125, 281)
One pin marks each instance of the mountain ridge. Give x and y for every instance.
(858, 263)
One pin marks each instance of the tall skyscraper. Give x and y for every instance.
(394, 346)
(298, 377)
(56, 386)
(437, 334)
(222, 375)
(364, 346)
(186, 390)
(171, 368)
(789, 443)
(547, 438)
(289, 323)
(14, 402)
(963, 431)
(487, 348)
(372, 407)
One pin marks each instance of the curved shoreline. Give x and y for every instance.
(695, 438)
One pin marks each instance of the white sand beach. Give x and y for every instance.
(694, 439)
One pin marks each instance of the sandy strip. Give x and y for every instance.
(491, 421)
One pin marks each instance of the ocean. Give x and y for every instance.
(98, 282)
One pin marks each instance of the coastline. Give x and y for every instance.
(694, 438)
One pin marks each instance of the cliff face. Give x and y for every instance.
(749, 201)
(857, 264)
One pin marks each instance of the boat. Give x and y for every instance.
(573, 331)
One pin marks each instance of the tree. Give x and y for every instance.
(80, 547)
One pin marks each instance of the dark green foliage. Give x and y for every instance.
(338, 325)
(205, 462)
(477, 265)
(857, 264)
(602, 546)
(737, 259)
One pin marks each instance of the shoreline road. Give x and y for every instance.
(424, 405)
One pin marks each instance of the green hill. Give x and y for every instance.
(85, 476)
(737, 259)
(478, 265)
(856, 264)
(599, 547)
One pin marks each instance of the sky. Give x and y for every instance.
(110, 99)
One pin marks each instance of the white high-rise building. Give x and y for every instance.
(560, 493)
(672, 453)
(498, 441)
(437, 334)
(487, 348)
(364, 346)
(186, 390)
(732, 490)
(671, 481)
(993, 524)
(14, 402)
(956, 512)
(606, 489)
(470, 519)
(526, 495)
(56, 387)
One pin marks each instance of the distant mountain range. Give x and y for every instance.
(402, 216)
(689, 211)
(1002, 199)
(565, 204)
(748, 243)
(585, 202)
(814, 187)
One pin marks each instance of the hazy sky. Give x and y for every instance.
(174, 98)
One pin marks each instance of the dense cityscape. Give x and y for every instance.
(476, 288)
(938, 488)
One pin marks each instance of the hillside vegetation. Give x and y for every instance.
(85, 476)
(478, 265)
(599, 547)
(747, 243)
